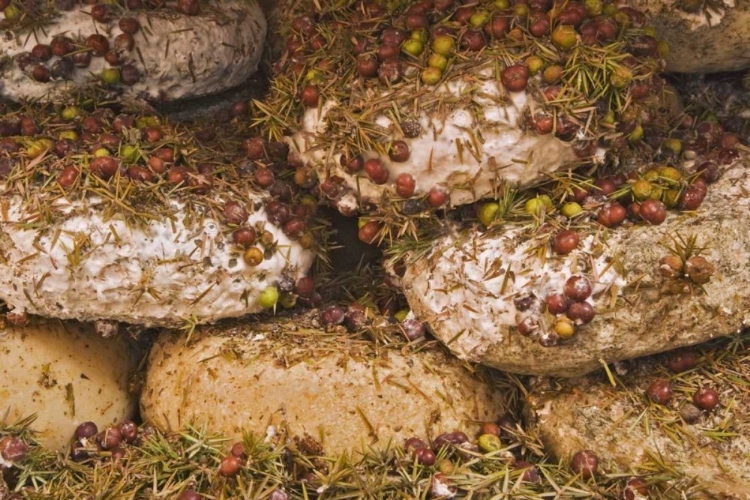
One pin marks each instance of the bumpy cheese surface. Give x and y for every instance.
(178, 56)
(165, 273)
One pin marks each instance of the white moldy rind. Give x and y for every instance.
(166, 273)
(458, 288)
(184, 56)
(470, 155)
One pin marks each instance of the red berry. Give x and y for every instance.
(612, 215)
(585, 463)
(405, 185)
(557, 303)
(682, 360)
(706, 399)
(229, 466)
(653, 211)
(376, 171)
(424, 456)
(515, 77)
(565, 242)
(581, 312)
(399, 152)
(660, 391)
(577, 288)
(310, 96)
(437, 197)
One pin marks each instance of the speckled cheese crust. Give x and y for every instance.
(466, 286)
(469, 155)
(184, 56)
(166, 273)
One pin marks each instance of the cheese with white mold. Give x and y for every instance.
(469, 154)
(178, 56)
(164, 273)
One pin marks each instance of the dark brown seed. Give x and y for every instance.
(414, 443)
(352, 166)
(177, 175)
(581, 313)
(98, 44)
(113, 57)
(698, 269)
(294, 228)
(393, 36)
(92, 124)
(388, 52)
(660, 391)
(455, 438)
(254, 148)
(473, 41)
(390, 72)
(577, 288)
(229, 466)
(42, 52)
(585, 463)
(264, 177)
(238, 450)
(706, 399)
(129, 25)
(528, 325)
(413, 329)
(28, 126)
(239, 108)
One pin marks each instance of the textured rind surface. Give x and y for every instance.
(458, 294)
(163, 274)
(623, 430)
(234, 379)
(65, 374)
(447, 153)
(709, 42)
(184, 56)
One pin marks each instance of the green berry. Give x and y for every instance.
(675, 145)
(420, 35)
(620, 77)
(488, 212)
(479, 18)
(502, 4)
(437, 61)
(565, 36)
(535, 64)
(413, 47)
(431, 76)
(101, 152)
(593, 7)
(288, 300)
(268, 297)
(68, 134)
(637, 134)
(571, 209)
(401, 315)
(541, 203)
(489, 443)
(12, 12)
(70, 112)
(129, 154)
(110, 76)
(443, 45)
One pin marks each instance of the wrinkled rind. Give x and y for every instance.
(644, 319)
(65, 374)
(164, 274)
(184, 56)
(713, 42)
(236, 380)
(588, 413)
